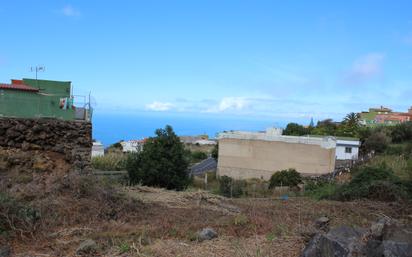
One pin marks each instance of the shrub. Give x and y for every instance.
(378, 141)
(162, 162)
(378, 183)
(402, 132)
(288, 177)
(229, 187)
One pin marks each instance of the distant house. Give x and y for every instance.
(97, 149)
(347, 148)
(393, 118)
(30, 98)
(384, 116)
(205, 142)
(192, 139)
(132, 146)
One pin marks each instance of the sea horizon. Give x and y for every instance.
(109, 128)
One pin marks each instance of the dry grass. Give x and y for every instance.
(144, 221)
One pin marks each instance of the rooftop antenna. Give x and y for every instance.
(37, 69)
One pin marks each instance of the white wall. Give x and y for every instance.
(340, 150)
(97, 149)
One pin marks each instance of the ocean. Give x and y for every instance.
(111, 128)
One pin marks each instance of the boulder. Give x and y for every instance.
(206, 234)
(342, 241)
(86, 247)
(386, 238)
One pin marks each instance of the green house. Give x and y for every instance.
(30, 98)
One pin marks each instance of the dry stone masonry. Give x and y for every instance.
(69, 138)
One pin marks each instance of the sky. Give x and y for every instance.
(273, 59)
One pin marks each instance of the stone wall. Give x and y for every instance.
(73, 139)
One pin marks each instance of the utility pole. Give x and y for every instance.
(37, 69)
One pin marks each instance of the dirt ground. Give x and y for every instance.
(166, 222)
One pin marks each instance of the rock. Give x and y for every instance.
(86, 247)
(5, 251)
(343, 242)
(206, 234)
(386, 238)
(322, 223)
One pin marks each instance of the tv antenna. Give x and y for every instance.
(37, 69)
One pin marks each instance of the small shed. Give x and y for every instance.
(347, 148)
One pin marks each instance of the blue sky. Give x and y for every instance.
(275, 59)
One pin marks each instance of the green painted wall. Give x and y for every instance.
(45, 103)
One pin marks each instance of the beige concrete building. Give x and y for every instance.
(244, 155)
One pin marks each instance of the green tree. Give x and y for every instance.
(349, 126)
(162, 162)
(325, 127)
(294, 129)
(352, 119)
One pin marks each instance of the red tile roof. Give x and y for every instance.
(20, 87)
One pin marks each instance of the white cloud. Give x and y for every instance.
(230, 104)
(159, 106)
(365, 68)
(233, 103)
(69, 11)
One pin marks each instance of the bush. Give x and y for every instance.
(402, 132)
(162, 162)
(377, 183)
(288, 177)
(378, 141)
(229, 187)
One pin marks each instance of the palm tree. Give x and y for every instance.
(352, 119)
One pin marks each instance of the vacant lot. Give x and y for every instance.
(166, 222)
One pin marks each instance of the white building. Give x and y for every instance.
(205, 142)
(97, 149)
(133, 145)
(347, 148)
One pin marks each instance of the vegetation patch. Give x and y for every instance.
(161, 163)
(288, 177)
(112, 161)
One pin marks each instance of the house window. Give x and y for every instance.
(348, 149)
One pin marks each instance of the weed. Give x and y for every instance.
(240, 220)
(270, 236)
(124, 247)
